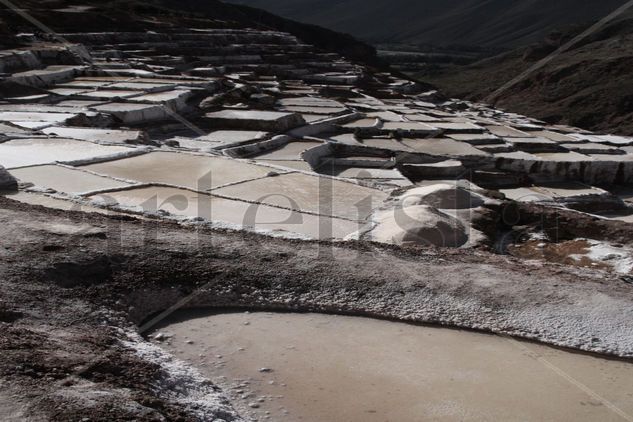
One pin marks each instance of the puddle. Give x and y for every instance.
(348, 369)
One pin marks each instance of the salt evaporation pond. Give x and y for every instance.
(315, 368)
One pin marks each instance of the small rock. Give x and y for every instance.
(161, 336)
(254, 405)
(265, 370)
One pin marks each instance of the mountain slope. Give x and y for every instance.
(488, 23)
(140, 15)
(589, 86)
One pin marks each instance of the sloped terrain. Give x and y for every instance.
(131, 15)
(496, 23)
(153, 159)
(590, 86)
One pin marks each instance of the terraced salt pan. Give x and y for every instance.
(83, 84)
(384, 143)
(413, 127)
(309, 102)
(507, 132)
(199, 172)
(185, 203)
(290, 164)
(290, 151)
(362, 173)
(320, 195)
(458, 127)
(63, 179)
(557, 137)
(160, 97)
(36, 125)
(314, 110)
(387, 116)
(476, 138)
(421, 118)
(349, 369)
(77, 103)
(443, 146)
(56, 203)
(133, 113)
(95, 135)
(256, 119)
(66, 92)
(111, 93)
(141, 86)
(232, 137)
(362, 123)
(565, 156)
(28, 116)
(38, 108)
(29, 152)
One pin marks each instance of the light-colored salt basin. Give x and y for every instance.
(184, 203)
(192, 171)
(95, 135)
(55, 203)
(307, 193)
(28, 152)
(290, 164)
(63, 179)
(347, 369)
(290, 151)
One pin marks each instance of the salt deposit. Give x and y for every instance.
(417, 225)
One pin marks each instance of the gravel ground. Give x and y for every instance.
(75, 288)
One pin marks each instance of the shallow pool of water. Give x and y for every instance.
(310, 367)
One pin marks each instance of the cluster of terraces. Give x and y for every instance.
(256, 130)
(141, 172)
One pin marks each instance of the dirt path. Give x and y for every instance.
(73, 287)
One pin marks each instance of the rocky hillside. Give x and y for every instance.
(590, 86)
(160, 15)
(492, 23)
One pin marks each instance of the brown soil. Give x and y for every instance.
(70, 296)
(588, 86)
(560, 253)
